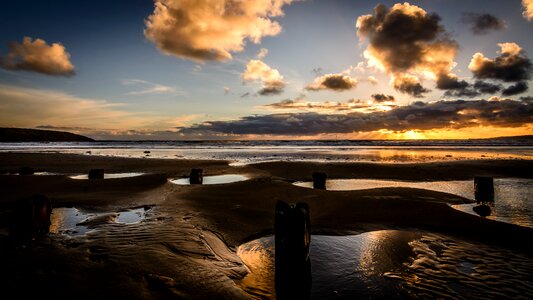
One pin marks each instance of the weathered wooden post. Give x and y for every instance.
(26, 171)
(32, 216)
(292, 228)
(319, 180)
(484, 189)
(196, 176)
(96, 174)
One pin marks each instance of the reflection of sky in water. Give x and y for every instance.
(513, 196)
(246, 154)
(218, 179)
(66, 220)
(131, 216)
(394, 264)
(109, 175)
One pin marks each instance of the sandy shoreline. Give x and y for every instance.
(177, 252)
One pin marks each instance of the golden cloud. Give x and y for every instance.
(409, 44)
(528, 9)
(511, 66)
(271, 79)
(210, 30)
(336, 82)
(27, 107)
(38, 56)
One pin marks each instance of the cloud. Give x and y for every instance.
(372, 80)
(262, 53)
(527, 99)
(150, 88)
(528, 9)
(335, 82)
(271, 80)
(511, 66)
(408, 43)
(38, 56)
(467, 90)
(27, 107)
(484, 87)
(410, 85)
(515, 89)
(455, 114)
(327, 106)
(379, 98)
(211, 30)
(482, 23)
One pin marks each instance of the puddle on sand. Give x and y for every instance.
(512, 195)
(462, 188)
(109, 175)
(65, 220)
(131, 216)
(217, 179)
(71, 221)
(394, 264)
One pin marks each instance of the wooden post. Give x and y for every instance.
(96, 174)
(292, 229)
(32, 216)
(26, 171)
(484, 189)
(319, 180)
(196, 176)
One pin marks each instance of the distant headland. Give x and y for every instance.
(13, 135)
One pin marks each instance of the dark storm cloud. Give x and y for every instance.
(527, 99)
(463, 89)
(406, 41)
(484, 87)
(511, 66)
(335, 82)
(382, 98)
(449, 82)
(482, 23)
(419, 115)
(515, 89)
(467, 92)
(411, 86)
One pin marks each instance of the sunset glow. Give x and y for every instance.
(261, 69)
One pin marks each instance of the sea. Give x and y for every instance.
(248, 152)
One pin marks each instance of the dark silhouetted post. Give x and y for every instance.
(32, 216)
(484, 189)
(96, 174)
(292, 229)
(482, 210)
(319, 180)
(197, 176)
(26, 171)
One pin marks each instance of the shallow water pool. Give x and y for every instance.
(217, 179)
(73, 222)
(392, 264)
(513, 196)
(109, 175)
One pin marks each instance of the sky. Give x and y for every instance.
(268, 69)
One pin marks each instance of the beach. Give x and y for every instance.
(186, 244)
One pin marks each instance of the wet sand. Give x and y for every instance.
(185, 247)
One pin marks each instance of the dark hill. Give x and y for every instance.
(10, 135)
